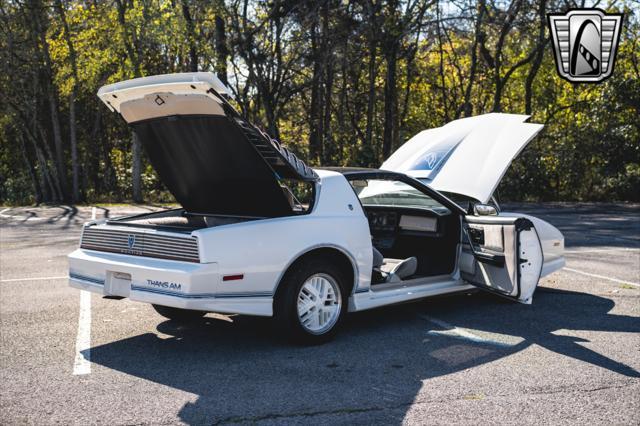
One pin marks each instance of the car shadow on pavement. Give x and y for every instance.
(377, 365)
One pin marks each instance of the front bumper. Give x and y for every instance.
(163, 282)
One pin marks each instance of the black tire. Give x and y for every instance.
(285, 304)
(177, 314)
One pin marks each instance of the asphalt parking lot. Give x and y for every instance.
(571, 357)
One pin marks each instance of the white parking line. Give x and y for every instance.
(453, 331)
(615, 280)
(82, 363)
(15, 280)
(600, 250)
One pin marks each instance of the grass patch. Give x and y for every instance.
(474, 396)
(628, 286)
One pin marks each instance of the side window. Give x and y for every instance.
(393, 193)
(299, 193)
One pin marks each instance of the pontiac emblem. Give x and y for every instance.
(585, 43)
(431, 159)
(131, 241)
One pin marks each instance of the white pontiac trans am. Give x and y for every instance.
(260, 233)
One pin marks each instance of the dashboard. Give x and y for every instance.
(386, 223)
(382, 220)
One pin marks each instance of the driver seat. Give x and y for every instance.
(394, 270)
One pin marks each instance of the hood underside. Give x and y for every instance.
(467, 156)
(210, 158)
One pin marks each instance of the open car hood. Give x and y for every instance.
(210, 158)
(467, 156)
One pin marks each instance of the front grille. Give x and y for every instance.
(140, 244)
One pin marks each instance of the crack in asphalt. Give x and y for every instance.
(353, 410)
(230, 420)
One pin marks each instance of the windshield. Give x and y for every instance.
(394, 194)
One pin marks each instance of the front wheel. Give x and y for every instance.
(311, 302)
(177, 314)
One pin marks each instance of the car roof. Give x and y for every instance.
(363, 172)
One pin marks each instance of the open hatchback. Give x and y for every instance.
(210, 158)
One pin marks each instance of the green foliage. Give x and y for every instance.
(317, 75)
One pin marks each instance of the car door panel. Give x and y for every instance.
(502, 255)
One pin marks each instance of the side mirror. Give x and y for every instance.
(485, 210)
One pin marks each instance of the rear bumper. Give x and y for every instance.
(163, 282)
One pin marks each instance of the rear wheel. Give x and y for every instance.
(178, 314)
(311, 301)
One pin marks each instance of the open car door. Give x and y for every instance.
(502, 255)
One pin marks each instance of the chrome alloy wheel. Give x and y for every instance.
(319, 303)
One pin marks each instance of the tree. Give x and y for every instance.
(339, 82)
(75, 196)
(130, 40)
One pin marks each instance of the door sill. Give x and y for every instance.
(416, 282)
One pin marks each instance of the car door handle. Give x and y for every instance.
(489, 258)
(484, 257)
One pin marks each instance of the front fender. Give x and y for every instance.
(552, 242)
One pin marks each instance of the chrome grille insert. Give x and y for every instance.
(140, 243)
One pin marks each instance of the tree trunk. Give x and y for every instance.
(390, 100)
(52, 97)
(31, 171)
(371, 99)
(57, 193)
(46, 182)
(537, 60)
(410, 71)
(92, 159)
(191, 34)
(340, 113)
(315, 110)
(467, 106)
(497, 95)
(57, 139)
(75, 193)
(222, 51)
(110, 182)
(371, 89)
(136, 149)
(327, 145)
(72, 101)
(327, 65)
(443, 83)
(272, 119)
(500, 81)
